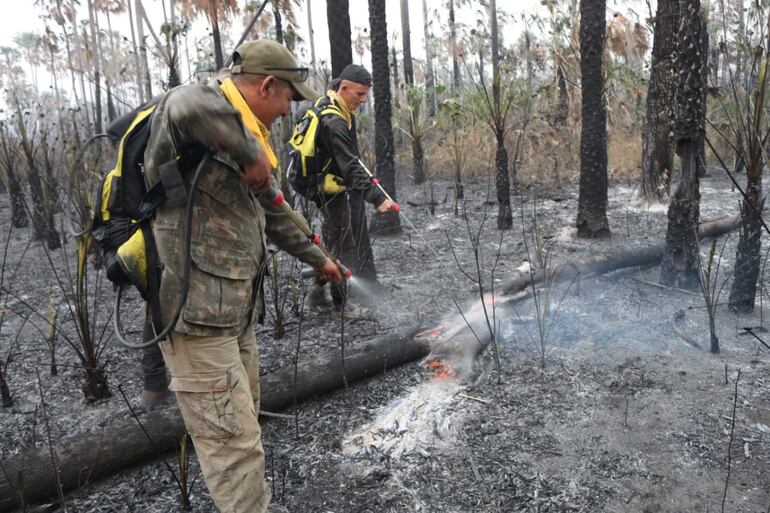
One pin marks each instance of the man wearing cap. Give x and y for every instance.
(212, 352)
(345, 187)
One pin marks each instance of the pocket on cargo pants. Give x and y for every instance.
(206, 403)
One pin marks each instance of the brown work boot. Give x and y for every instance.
(152, 399)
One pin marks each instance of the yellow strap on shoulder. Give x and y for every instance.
(118, 169)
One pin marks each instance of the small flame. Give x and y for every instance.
(439, 369)
(434, 333)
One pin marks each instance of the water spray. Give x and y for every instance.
(396, 207)
(275, 197)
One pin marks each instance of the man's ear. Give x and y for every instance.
(267, 85)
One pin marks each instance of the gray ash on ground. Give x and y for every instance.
(624, 417)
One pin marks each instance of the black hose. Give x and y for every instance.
(185, 277)
(76, 165)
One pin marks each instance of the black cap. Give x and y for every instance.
(354, 73)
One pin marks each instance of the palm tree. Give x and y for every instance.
(657, 149)
(383, 129)
(31, 46)
(215, 10)
(680, 264)
(502, 176)
(592, 200)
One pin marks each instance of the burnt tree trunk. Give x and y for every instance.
(561, 113)
(453, 46)
(503, 187)
(592, 200)
(657, 145)
(219, 58)
(338, 20)
(502, 175)
(383, 129)
(680, 265)
(406, 39)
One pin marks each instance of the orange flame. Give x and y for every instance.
(439, 369)
(434, 333)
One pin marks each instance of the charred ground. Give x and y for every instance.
(625, 416)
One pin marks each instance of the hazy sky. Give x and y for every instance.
(22, 15)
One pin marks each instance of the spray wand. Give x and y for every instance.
(275, 197)
(396, 207)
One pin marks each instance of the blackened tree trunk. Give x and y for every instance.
(429, 82)
(453, 46)
(219, 58)
(338, 20)
(278, 21)
(96, 67)
(680, 265)
(657, 143)
(9, 162)
(406, 38)
(383, 129)
(592, 200)
(145, 69)
(42, 209)
(502, 176)
(752, 151)
(561, 113)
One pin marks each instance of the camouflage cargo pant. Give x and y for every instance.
(216, 380)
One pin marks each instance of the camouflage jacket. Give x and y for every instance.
(230, 224)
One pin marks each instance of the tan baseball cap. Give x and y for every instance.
(265, 57)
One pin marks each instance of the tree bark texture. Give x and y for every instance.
(86, 457)
(96, 68)
(143, 50)
(383, 129)
(657, 143)
(406, 38)
(338, 20)
(453, 46)
(503, 187)
(219, 58)
(561, 113)
(502, 176)
(592, 200)
(680, 265)
(429, 82)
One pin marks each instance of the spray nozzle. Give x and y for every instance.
(309, 272)
(314, 239)
(396, 207)
(375, 181)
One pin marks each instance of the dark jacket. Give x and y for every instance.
(338, 141)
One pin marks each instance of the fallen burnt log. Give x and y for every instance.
(30, 477)
(634, 257)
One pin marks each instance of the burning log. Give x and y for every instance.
(29, 477)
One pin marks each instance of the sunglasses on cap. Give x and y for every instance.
(301, 74)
